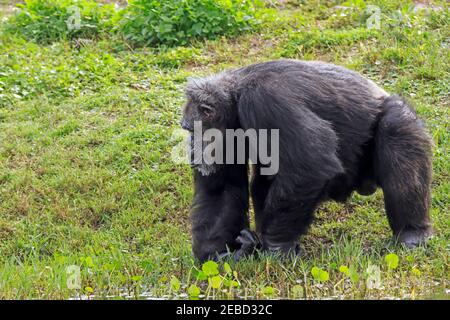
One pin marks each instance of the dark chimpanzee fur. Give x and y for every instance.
(338, 132)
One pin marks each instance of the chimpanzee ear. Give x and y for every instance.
(208, 110)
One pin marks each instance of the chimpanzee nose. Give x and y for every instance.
(185, 125)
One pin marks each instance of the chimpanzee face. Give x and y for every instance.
(196, 113)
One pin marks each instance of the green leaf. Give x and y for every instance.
(88, 289)
(391, 260)
(136, 278)
(324, 276)
(297, 291)
(210, 268)
(175, 284)
(193, 291)
(201, 275)
(315, 272)
(215, 282)
(59, 259)
(165, 28)
(416, 272)
(89, 262)
(197, 28)
(344, 270)
(230, 283)
(268, 291)
(353, 274)
(319, 274)
(227, 268)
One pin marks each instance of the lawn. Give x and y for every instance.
(87, 182)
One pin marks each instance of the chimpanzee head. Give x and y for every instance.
(209, 102)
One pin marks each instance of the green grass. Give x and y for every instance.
(86, 177)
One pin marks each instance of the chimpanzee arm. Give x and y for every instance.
(219, 210)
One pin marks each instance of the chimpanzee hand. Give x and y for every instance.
(286, 249)
(249, 241)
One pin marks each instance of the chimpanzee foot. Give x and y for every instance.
(413, 238)
(249, 241)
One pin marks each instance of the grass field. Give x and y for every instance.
(86, 177)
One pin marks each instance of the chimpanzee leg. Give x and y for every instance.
(249, 240)
(219, 211)
(403, 169)
(288, 216)
(281, 218)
